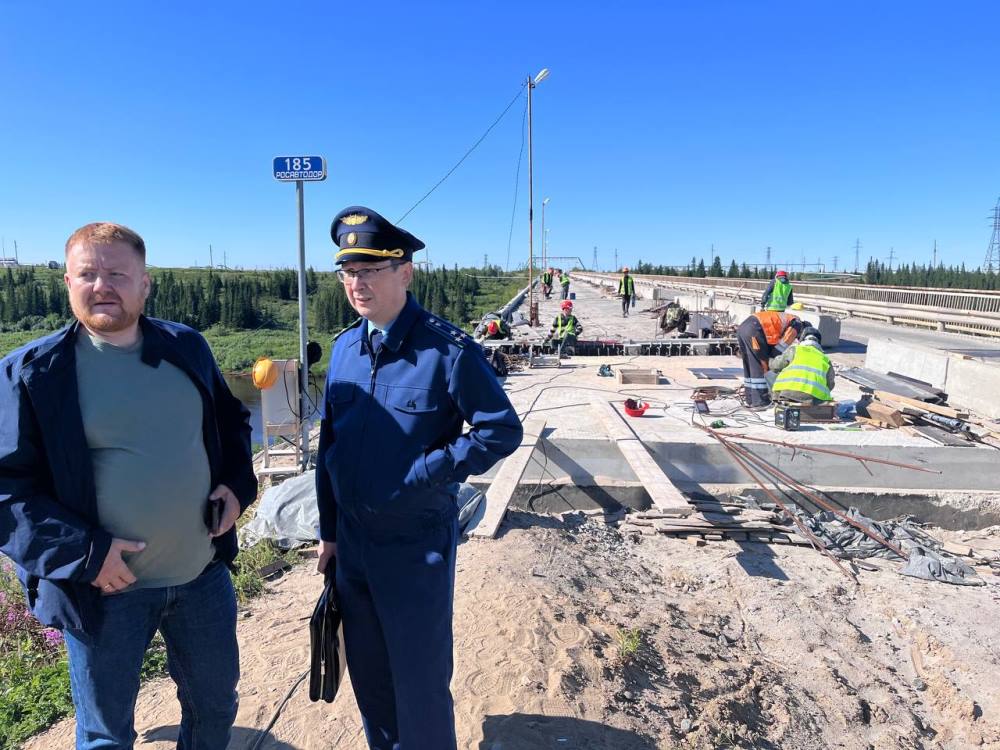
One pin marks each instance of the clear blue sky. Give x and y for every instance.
(664, 127)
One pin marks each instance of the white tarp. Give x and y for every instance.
(287, 513)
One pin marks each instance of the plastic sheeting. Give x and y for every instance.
(288, 516)
(846, 541)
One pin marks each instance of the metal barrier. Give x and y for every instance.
(965, 311)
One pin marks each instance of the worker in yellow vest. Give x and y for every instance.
(547, 283)
(565, 329)
(802, 372)
(778, 294)
(626, 290)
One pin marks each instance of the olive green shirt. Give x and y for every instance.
(143, 426)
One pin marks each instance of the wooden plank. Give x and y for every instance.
(944, 411)
(885, 413)
(502, 488)
(663, 493)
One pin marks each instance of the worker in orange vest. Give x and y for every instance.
(763, 335)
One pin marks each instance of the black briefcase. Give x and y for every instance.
(326, 637)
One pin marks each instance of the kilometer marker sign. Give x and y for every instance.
(305, 168)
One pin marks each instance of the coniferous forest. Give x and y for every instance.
(245, 314)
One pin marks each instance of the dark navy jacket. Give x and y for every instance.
(48, 501)
(392, 446)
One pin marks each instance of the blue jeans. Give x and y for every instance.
(198, 623)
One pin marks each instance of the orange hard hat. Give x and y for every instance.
(566, 305)
(264, 373)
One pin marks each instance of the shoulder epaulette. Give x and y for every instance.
(452, 333)
(355, 324)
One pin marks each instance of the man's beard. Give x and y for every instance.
(102, 322)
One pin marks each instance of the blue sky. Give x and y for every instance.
(664, 128)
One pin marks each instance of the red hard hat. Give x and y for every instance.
(782, 273)
(492, 326)
(566, 305)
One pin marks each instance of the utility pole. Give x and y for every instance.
(934, 262)
(594, 265)
(486, 261)
(892, 255)
(211, 262)
(992, 264)
(857, 254)
(767, 261)
(835, 259)
(17, 262)
(532, 316)
(616, 259)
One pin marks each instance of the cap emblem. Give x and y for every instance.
(352, 220)
(352, 238)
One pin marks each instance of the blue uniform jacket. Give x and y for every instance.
(391, 442)
(48, 501)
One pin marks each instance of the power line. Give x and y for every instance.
(517, 184)
(459, 162)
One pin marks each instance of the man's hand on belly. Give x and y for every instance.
(230, 508)
(115, 574)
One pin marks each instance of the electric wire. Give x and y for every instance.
(464, 157)
(517, 184)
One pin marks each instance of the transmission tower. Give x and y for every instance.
(594, 266)
(767, 260)
(992, 263)
(857, 254)
(835, 259)
(892, 256)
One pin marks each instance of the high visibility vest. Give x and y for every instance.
(626, 285)
(774, 324)
(565, 327)
(806, 373)
(547, 278)
(564, 279)
(779, 296)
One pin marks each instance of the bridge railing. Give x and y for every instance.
(961, 310)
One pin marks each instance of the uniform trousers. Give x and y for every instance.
(755, 352)
(395, 588)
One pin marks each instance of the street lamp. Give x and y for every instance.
(545, 243)
(532, 313)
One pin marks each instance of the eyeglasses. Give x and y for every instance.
(363, 274)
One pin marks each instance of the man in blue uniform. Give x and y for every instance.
(392, 451)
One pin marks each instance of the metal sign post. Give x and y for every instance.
(301, 169)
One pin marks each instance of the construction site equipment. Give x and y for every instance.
(278, 404)
(787, 417)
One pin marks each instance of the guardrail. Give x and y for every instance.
(962, 311)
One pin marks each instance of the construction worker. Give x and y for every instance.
(674, 318)
(565, 329)
(564, 283)
(763, 335)
(547, 283)
(778, 295)
(803, 372)
(626, 290)
(496, 329)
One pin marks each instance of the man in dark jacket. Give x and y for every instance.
(124, 463)
(401, 386)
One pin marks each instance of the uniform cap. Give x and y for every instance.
(362, 234)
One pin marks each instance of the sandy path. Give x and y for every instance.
(738, 646)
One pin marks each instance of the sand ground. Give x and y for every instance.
(736, 645)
